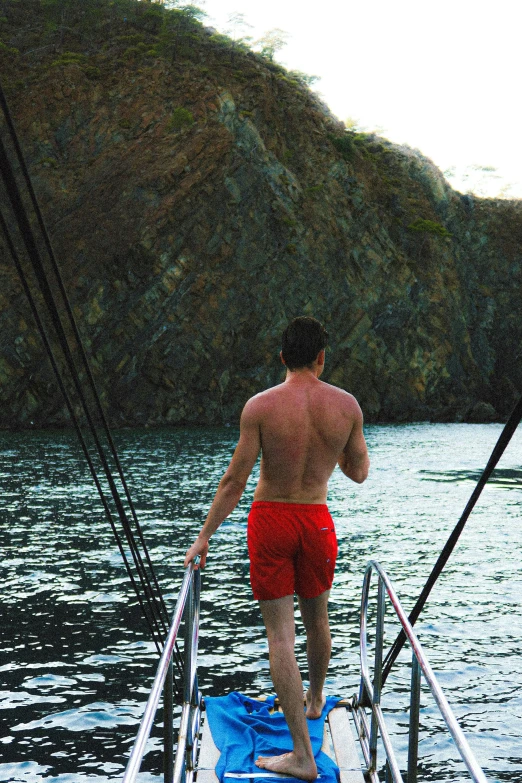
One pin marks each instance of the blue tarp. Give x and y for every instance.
(244, 729)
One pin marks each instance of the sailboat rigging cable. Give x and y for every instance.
(71, 411)
(69, 341)
(79, 343)
(501, 445)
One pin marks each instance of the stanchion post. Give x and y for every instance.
(377, 673)
(413, 740)
(168, 725)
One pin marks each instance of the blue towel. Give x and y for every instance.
(244, 729)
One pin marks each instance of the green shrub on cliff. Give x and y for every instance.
(80, 60)
(422, 226)
(152, 19)
(181, 118)
(180, 30)
(303, 78)
(70, 58)
(344, 144)
(8, 51)
(132, 52)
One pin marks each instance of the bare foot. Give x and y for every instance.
(314, 707)
(288, 764)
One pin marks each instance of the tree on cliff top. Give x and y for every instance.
(271, 42)
(236, 33)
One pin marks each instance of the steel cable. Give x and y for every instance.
(152, 605)
(72, 413)
(501, 445)
(79, 343)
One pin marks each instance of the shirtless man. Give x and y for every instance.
(303, 428)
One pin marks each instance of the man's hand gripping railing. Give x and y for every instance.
(370, 692)
(187, 605)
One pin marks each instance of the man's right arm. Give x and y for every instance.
(354, 461)
(232, 484)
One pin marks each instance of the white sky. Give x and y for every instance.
(440, 75)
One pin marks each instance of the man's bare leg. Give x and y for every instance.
(314, 612)
(278, 616)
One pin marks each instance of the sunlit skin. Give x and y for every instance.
(303, 428)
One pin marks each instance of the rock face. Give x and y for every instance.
(196, 204)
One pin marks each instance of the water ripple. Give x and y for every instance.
(76, 661)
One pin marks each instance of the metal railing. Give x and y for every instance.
(370, 692)
(183, 765)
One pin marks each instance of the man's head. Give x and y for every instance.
(303, 339)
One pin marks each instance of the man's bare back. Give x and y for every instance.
(306, 426)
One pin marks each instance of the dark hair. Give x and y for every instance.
(303, 338)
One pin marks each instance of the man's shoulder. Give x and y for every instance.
(342, 401)
(259, 402)
(336, 391)
(263, 398)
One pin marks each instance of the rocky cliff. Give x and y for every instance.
(198, 197)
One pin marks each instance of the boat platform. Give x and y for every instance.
(338, 743)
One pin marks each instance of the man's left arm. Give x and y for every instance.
(354, 460)
(232, 484)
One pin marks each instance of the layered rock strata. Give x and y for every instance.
(198, 204)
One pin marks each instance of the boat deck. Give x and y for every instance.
(338, 743)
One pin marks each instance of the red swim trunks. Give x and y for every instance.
(292, 549)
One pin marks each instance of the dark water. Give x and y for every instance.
(76, 663)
